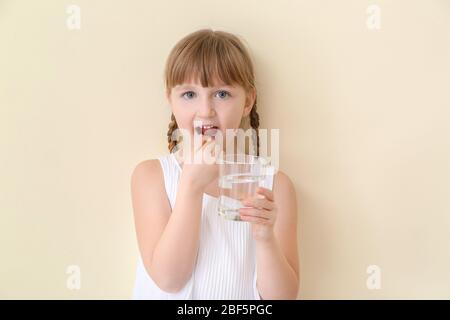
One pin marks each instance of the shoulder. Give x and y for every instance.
(145, 168)
(147, 174)
(282, 183)
(284, 194)
(148, 191)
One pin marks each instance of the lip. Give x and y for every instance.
(206, 129)
(211, 131)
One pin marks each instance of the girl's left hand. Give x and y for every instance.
(261, 215)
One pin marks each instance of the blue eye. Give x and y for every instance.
(226, 93)
(184, 94)
(190, 94)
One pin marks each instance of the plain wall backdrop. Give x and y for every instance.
(363, 115)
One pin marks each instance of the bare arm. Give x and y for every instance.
(277, 258)
(168, 242)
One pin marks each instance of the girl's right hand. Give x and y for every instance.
(202, 168)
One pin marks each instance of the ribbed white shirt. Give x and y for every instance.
(226, 261)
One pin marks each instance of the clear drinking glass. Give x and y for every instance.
(239, 177)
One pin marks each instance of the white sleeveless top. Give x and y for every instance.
(226, 261)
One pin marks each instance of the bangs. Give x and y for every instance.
(211, 59)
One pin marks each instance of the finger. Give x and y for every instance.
(206, 140)
(258, 203)
(265, 192)
(254, 219)
(263, 214)
(196, 146)
(209, 152)
(202, 138)
(204, 143)
(209, 146)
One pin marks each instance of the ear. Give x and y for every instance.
(249, 102)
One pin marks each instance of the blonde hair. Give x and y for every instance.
(207, 55)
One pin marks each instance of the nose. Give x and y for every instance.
(206, 109)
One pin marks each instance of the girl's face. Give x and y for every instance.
(222, 105)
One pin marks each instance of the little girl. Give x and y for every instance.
(188, 251)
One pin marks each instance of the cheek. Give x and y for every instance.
(185, 123)
(184, 114)
(229, 121)
(231, 117)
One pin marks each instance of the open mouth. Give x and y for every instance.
(207, 130)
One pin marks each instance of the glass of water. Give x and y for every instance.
(239, 177)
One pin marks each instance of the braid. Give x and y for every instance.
(172, 126)
(254, 123)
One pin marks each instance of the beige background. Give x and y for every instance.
(364, 136)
